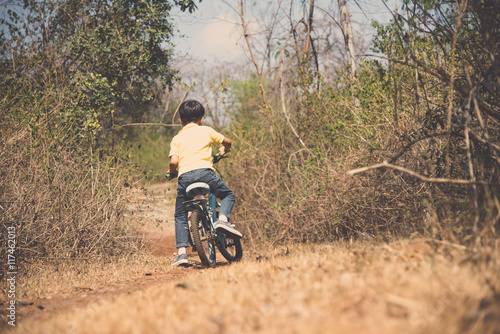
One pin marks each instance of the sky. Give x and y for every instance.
(213, 31)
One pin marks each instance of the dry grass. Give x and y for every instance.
(146, 211)
(406, 286)
(44, 280)
(63, 204)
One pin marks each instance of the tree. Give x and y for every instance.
(108, 56)
(345, 22)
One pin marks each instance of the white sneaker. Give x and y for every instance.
(181, 259)
(227, 229)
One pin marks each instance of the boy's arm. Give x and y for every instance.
(226, 146)
(174, 162)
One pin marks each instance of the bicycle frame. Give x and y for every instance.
(210, 214)
(200, 202)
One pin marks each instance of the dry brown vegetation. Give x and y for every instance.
(429, 105)
(415, 285)
(60, 281)
(408, 247)
(412, 286)
(62, 204)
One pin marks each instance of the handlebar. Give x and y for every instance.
(218, 157)
(215, 159)
(171, 176)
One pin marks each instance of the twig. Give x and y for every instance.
(290, 158)
(178, 106)
(282, 89)
(467, 144)
(254, 60)
(413, 142)
(167, 105)
(149, 124)
(214, 95)
(423, 178)
(261, 179)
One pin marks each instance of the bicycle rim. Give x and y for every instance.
(202, 239)
(230, 248)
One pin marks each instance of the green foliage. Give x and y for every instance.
(108, 62)
(123, 43)
(149, 149)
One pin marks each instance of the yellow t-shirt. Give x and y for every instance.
(193, 147)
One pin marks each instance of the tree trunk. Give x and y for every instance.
(345, 22)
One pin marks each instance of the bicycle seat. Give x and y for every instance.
(197, 188)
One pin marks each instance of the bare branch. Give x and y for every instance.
(147, 124)
(423, 178)
(345, 21)
(417, 140)
(178, 106)
(254, 60)
(309, 27)
(282, 89)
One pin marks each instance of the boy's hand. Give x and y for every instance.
(172, 175)
(226, 146)
(222, 150)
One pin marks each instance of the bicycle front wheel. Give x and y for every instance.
(230, 248)
(203, 240)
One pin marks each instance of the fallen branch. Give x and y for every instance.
(423, 178)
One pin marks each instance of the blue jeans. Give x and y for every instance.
(217, 187)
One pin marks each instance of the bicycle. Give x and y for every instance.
(203, 237)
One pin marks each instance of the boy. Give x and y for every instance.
(191, 151)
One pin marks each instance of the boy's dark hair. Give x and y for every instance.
(191, 111)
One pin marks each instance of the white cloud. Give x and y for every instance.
(210, 33)
(218, 39)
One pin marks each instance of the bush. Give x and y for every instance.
(63, 200)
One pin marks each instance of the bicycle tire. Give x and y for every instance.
(230, 248)
(202, 239)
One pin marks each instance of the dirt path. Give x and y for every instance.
(410, 286)
(42, 309)
(402, 287)
(153, 207)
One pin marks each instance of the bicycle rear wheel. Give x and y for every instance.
(202, 239)
(230, 248)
